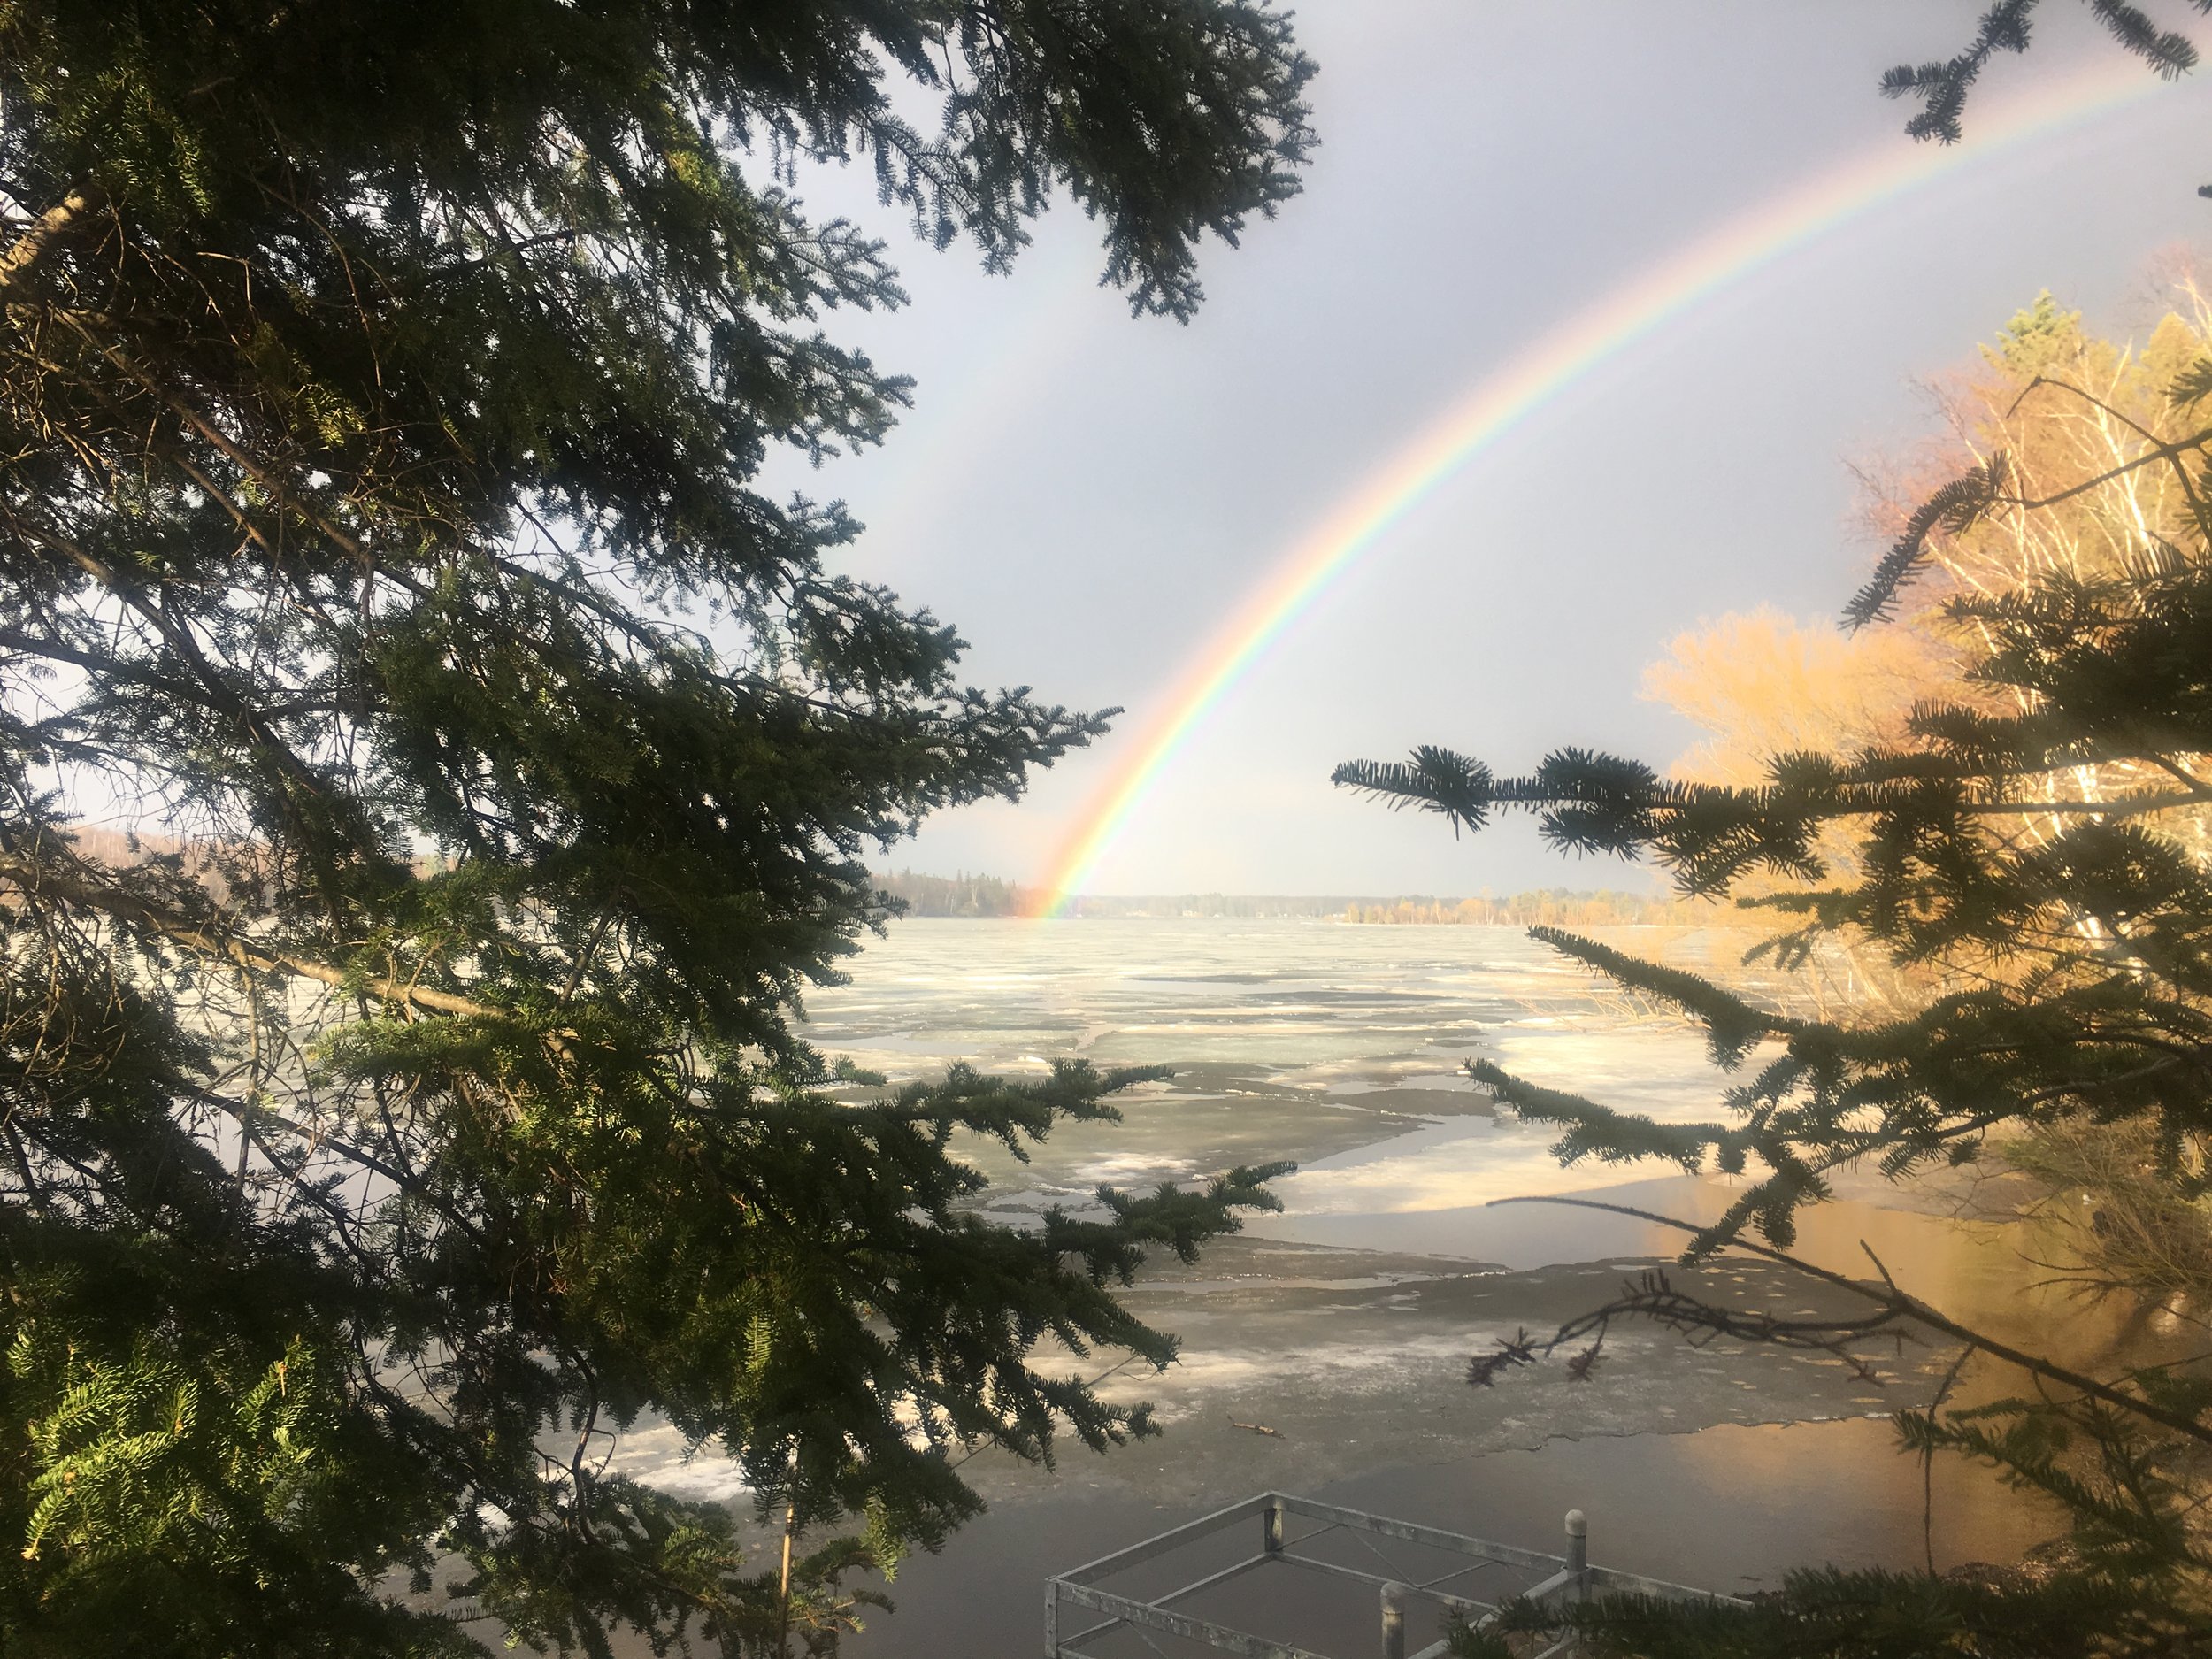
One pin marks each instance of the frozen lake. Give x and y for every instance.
(1345, 1322)
(1338, 1046)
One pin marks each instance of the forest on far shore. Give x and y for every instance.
(979, 896)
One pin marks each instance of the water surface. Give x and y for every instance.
(1345, 1322)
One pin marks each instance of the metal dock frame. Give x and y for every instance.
(1567, 1578)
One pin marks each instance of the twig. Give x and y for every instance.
(1902, 1306)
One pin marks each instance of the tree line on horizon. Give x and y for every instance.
(982, 896)
(1543, 907)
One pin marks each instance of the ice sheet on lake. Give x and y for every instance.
(1339, 1047)
(1336, 1045)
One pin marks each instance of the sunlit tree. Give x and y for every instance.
(2028, 837)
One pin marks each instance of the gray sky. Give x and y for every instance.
(1087, 496)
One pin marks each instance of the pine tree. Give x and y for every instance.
(384, 384)
(2034, 842)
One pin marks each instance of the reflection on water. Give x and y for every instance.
(1734, 1508)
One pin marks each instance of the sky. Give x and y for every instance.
(1090, 498)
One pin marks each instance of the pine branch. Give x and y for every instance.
(1732, 1023)
(1952, 510)
(1435, 781)
(47, 881)
(1943, 87)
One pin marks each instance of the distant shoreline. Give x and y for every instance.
(983, 898)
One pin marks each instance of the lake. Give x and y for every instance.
(1344, 1324)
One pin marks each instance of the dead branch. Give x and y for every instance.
(1896, 1305)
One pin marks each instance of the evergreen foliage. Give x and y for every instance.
(2036, 843)
(2006, 26)
(2103, 924)
(383, 388)
(1829, 1613)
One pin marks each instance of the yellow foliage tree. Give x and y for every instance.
(1761, 683)
(2064, 409)
(2070, 419)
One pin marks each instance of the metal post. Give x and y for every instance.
(1393, 1621)
(783, 1593)
(1271, 1528)
(1578, 1553)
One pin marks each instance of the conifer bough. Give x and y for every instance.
(383, 388)
(2033, 847)
(2081, 918)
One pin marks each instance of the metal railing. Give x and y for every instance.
(1566, 1577)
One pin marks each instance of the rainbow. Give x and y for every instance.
(1555, 363)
